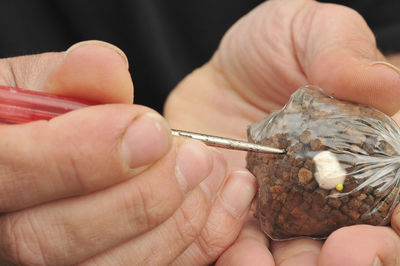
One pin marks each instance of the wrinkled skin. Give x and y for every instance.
(68, 197)
(277, 48)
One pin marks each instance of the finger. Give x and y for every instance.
(361, 245)
(224, 222)
(91, 70)
(28, 72)
(250, 248)
(297, 252)
(395, 219)
(163, 244)
(77, 153)
(338, 52)
(77, 229)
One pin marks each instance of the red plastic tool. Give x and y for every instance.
(20, 106)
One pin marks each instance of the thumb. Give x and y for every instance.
(340, 56)
(90, 70)
(285, 44)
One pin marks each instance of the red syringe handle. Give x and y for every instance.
(20, 106)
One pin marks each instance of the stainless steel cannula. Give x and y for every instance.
(226, 143)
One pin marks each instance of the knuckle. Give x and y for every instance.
(22, 71)
(8, 185)
(147, 204)
(185, 227)
(6, 75)
(190, 218)
(18, 70)
(143, 207)
(19, 240)
(139, 201)
(72, 166)
(80, 168)
(70, 171)
(212, 242)
(63, 170)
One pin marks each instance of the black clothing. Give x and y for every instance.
(164, 40)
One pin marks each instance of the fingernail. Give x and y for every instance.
(146, 140)
(377, 262)
(106, 45)
(213, 182)
(384, 63)
(239, 192)
(193, 164)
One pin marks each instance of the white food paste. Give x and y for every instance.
(328, 173)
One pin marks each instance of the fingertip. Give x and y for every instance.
(194, 162)
(92, 70)
(343, 246)
(360, 245)
(373, 83)
(239, 192)
(100, 44)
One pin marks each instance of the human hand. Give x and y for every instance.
(106, 184)
(272, 51)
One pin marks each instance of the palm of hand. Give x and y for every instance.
(262, 59)
(271, 52)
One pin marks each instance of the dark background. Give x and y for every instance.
(163, 39)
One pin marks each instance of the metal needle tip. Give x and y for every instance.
(226, 143)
